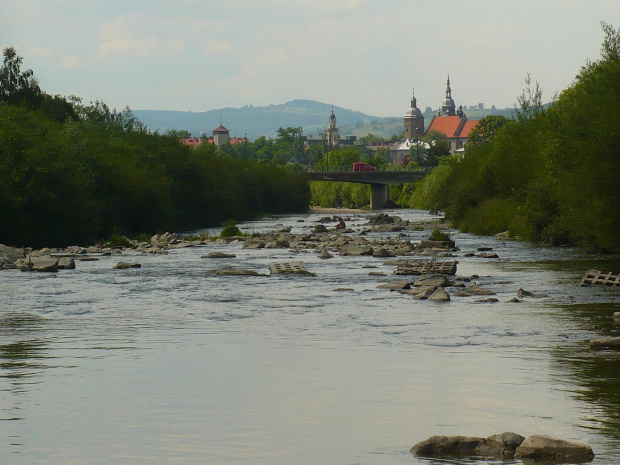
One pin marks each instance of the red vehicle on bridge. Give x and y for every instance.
(360, 166)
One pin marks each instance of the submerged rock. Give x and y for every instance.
(395, 286)
(237, 272)
(606, 343)
(219, 255)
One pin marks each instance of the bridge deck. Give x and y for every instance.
(367, 177)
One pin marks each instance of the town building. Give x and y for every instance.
(330, 137)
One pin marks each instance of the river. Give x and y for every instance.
(172, 364)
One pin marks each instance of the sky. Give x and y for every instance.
(363, 55)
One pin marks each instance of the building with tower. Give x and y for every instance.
(221, 135)
(414, 121)
(452, 122)
(331, 137)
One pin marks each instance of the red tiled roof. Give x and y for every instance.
(221, 128)
(446, 124)
(191, 141)
(469, 125)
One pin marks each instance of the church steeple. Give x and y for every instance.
(448, 108)
(333, 138)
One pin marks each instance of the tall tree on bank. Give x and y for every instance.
(18, 87)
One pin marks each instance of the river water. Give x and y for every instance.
(171, 364)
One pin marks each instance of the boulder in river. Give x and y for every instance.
(125, 265)
(355, 249)
(440, 295)
(539, 447)
(9, 255)
(432, 280)
(477, 290)
(66, 263)
(44, 263)
(325, 254)
(498, 445)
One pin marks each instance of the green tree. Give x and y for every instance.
(439, 147)
(18, 87)
(485, 130)
(529, 103)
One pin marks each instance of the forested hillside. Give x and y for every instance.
(72, 173)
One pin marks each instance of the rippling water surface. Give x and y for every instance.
(172, 364)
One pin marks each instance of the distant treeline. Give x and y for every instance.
(75, 174)
(550, 175)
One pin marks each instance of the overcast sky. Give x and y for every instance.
(363, 55)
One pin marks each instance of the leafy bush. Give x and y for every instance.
(230, 230)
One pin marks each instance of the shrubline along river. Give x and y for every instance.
(172, 364)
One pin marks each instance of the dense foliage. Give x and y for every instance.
(73, 173)
(550, 175)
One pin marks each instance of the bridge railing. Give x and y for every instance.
(345, 168)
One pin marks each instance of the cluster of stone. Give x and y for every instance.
(505, 445)
(47, 259)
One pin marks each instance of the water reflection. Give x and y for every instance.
(20, 360)
(595, 374)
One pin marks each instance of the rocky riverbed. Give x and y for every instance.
(374, 284)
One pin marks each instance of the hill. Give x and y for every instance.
(311, 115)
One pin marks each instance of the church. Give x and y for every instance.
(450, 121)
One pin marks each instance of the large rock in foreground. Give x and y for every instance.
(538, 447)
(605, 343)
(498, 445)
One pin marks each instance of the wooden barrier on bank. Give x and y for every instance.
(595, 277)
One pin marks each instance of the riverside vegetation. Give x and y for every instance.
(74, 173)
(550, 175)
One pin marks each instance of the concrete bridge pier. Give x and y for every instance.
(379, 194)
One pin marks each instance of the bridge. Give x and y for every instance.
(379, 181)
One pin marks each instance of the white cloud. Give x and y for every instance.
(43, 51)
(71, 61)
(217, 47)
(123, 36)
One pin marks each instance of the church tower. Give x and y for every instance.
(448, 108)
(333, 138)
(414, 121)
